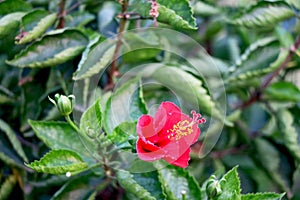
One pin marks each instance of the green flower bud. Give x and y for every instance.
(213, 187)
(63, 103)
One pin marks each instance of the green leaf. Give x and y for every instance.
(7, 187)
(295, 3)
(34, 24)
(290, 136)
(96, 57)
(262, 196)
(58, 162)
(204, 9)
(177, 13)
(141, 46)
(190, 88)
(230, 186)
(126, 104)
(268, 154)
(124, 135)
(150, 181)
(81, 187)
(264, 16)
(60, 135)
(53, 49)
(13, 139)
(4, 99)
(175, 180)
(106, 17)
(262, 57)
(10, 6)
(79, 19)
(91, 120)
(282, 91)
(10, 23)
(127, 182)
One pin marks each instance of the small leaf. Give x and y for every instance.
(96, 57)
(190, 88)
(34, 24)
(53, 49)
(60, 135)
(282, 91)
(13, 139)
(230, 186)
(262, 196)
(7, 187)
(264, 16)
(126, 104)
(58, 162)
(91, 120)
(122, 135)
(175, 180)
(177, 13)
(127, 182)
(10, 23)
(10, 6)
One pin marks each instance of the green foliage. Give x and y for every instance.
(264, 16)
(126, 104)
(177, 181)
(234, 62)
(7, 187)
(177, 13)
(13, 139)
(58, 162)
(54, 48)
(60, 135)
(191, 89)
(34, 24)
(91, 120)
(283, 91)
(262, 196)
(91, 63)
(131, 186)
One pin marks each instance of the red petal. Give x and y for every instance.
(163, 114)
(148, 151)
(182, 161)
(146, 129)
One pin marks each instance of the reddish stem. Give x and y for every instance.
(256, 95)
(61, 14)
(114, 70)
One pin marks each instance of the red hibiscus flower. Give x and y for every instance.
(168, 135)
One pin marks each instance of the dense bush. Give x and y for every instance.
(77, 75)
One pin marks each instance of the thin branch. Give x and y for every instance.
(113, 70)
(73, 7)
(256, 95)
(61, 14)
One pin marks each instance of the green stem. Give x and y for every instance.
(72, 124)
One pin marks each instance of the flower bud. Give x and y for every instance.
(213, 187)
(63, 103)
